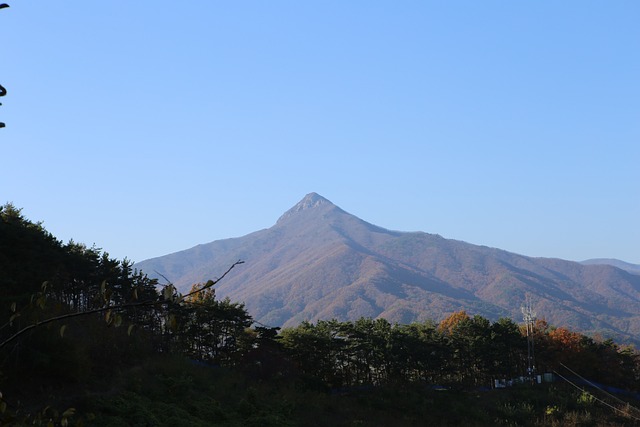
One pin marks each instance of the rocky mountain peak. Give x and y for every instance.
(310, 201)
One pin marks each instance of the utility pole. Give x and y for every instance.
(529, 317)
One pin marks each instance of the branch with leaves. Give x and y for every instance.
(169, 295)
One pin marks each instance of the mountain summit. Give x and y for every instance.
(310, 201)
(320, 262)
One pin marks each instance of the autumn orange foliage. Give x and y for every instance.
(449, 323)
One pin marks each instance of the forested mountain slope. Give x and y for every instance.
(320, 262)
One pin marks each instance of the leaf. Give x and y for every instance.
(173, 322)
(168, 292)
(129, 329)
(62, 329)
(44, 286)
(117, 322)
(13, 307)
(41, 301)
(69, 413)
(3, 407)
(107, 317)
(135, 294)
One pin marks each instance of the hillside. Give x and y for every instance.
(631, 268)
(94, 347)
(320, 262)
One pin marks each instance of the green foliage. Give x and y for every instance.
(89, 333)
(211, 330)
(470, 352)
(65, 330)
(466, 353)
(586, 399)
(29, 255)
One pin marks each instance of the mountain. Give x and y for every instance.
(320, 262)
(631, 268)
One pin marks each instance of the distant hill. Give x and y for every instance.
(320, 262)
(631, 268)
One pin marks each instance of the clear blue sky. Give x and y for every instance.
(147, 127)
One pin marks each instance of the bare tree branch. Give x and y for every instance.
(211, 283)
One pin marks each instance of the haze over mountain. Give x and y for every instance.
(320, 262)
(627, 266)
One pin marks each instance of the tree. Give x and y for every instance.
(470, 341)
(318, 351)
(507, 352)
(209, 329)
(419, 352)
(29, 255)
(448, 324)
(65, 330)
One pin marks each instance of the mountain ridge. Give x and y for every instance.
(320, 262)
(623, 265)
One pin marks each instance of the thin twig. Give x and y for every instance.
(76, 314)
(213, 282)
(149, 303)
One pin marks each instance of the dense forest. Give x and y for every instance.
(86, 339)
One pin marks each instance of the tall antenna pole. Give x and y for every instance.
(529, 317)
